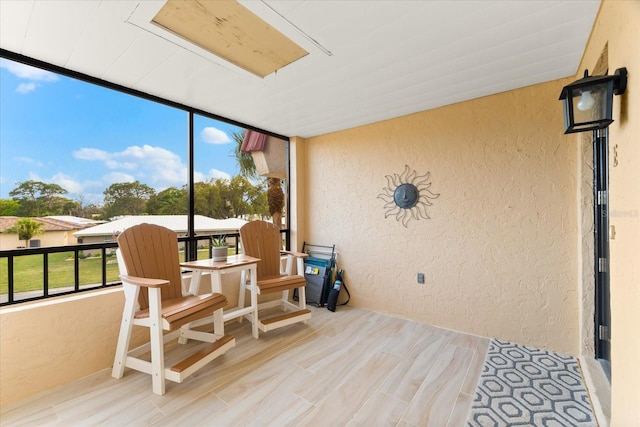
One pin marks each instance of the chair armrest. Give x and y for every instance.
(289, 265)
(144, 282)
(295, 254)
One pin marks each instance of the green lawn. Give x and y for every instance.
(28, 271)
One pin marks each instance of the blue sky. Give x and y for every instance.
(84, 138)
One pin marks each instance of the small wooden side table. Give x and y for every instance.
(234, 263)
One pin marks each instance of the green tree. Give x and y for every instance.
(26, 228)
(37, 198)
(246, 198)
(239, 189)
(201, 203)
(258, 201)
(222, 198)
(211, 198)
(245, 160)
(9, 207)
(61, 206)
(82, 209)
(275, 193)
(126, 198)
(172, 201)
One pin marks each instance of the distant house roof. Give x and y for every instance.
(51, 223)
(80, 222)
(177, 223)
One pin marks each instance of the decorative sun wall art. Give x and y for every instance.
(407, 196)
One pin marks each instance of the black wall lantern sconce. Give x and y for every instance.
(588, 102)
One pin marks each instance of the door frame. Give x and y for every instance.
(602, 314)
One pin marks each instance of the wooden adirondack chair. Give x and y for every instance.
(151, 279)
(263, 240)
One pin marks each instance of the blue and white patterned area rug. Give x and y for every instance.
(526, 386)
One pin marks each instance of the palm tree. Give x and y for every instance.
(26, 228)
(275, 195)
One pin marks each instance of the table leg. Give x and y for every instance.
(218, 316)
(194, 289)
(253, 271)
(216, 282)
(242, 291)
(302, 299)
(218, 322)
(194, 286)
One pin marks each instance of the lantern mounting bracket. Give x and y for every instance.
(588, 102)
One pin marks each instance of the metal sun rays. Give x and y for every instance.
(419, 209)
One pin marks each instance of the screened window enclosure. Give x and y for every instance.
(74, 146)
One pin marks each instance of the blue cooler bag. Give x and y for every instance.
(317, 273)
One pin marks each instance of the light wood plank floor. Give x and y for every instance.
(349, 368)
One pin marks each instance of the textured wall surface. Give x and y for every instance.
(499, 253)
(586, 278)
(45, 345)
(50, 343)
(618, 26)
(49, 238)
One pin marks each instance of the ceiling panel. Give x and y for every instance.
(368, 60)
(14, 20)
(181, 63)
(106, 37)
(139, 59)
(55, 27)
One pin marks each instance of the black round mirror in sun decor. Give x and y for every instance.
(407, 196)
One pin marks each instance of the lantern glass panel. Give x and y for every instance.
(590, 104)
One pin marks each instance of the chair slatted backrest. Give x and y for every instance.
(151, 251)
(261, 239)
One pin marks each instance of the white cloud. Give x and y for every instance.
(112, 164)
(28, 160)
(92, 185)
(155, 166)
(66, 182)
(113, 177)
(74, 188)
(91, 154)
(33, 176)
(110, 160)
(213, 135)
(199, 177)
(27, 72)
(26, 87)
(215, 173)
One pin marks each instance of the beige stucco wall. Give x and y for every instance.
(54, 342)
(48, 238)
(586, 278)
(47, 344)
(297, 191)
(10, 241)
(500, 251)
(618, 25)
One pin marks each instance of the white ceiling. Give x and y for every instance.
(388, 58)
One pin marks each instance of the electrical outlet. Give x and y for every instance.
(421, 278)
